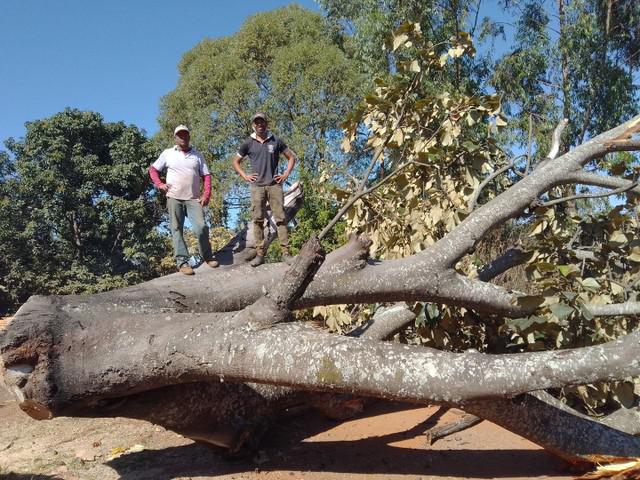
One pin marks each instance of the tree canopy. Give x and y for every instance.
(78, 216)
(286, 62)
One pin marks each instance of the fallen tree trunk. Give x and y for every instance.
(116, 352)
(132, 370)
(74, 362)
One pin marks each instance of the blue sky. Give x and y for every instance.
(115, 57)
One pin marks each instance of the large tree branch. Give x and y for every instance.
(509, 259)
(462, 239)
(570, 198)
(386, 322)
(566, 433)
(570, 434)
(136, 353)
(345, 277)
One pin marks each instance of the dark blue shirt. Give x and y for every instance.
(264, 157)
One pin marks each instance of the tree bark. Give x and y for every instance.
(136, 351)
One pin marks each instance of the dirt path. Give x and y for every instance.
(384, 443)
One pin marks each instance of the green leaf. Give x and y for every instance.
(586, 313)
(617, 239)
(590, 284)
(399, 40)
(568, 270)
(561, 310)
(616, 288)
(634, 256)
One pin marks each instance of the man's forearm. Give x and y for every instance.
(291, 159)
(155, 177)
(236, 166)
(206, 193)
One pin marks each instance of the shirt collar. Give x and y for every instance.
(175, 147)
(255, 136)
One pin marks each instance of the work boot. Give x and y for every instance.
(185, 269)
(212, 263)
(258, 260)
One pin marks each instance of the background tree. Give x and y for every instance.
(79, 214)
(287, 62)
(572, 59)
(367, 25)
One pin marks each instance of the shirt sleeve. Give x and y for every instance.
(203, 169)
(161, 163)
(281, 146)
(243, 150)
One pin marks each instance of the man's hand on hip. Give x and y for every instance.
(281, 178)
(251, 178)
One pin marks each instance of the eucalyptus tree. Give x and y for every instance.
(573, 59)
(368, 24)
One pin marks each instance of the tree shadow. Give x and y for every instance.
(285, 448)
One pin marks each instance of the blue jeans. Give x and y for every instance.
(178, 210)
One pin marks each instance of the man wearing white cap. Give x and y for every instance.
(185, 166)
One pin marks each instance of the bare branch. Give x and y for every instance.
(386, 322)
(614, 309)
(587, 178)
(624, 419)
(557, 138)
(486, 181)
(436, 433)
(462, 239)
(617, 191)
(511, 258)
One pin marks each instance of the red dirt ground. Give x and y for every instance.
(385, 442)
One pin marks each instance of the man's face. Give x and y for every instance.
(260, 126)
(182, 139)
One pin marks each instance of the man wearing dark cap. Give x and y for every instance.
(263, 150)
(185, 167)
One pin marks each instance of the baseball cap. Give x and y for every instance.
(259, 115)
(180, 128)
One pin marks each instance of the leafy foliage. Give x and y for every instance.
(368, 23)
(438, 147)
(437, 143)
(286, 62)
(79, 215)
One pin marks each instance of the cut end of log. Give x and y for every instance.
(26, 347)
(4, 322)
